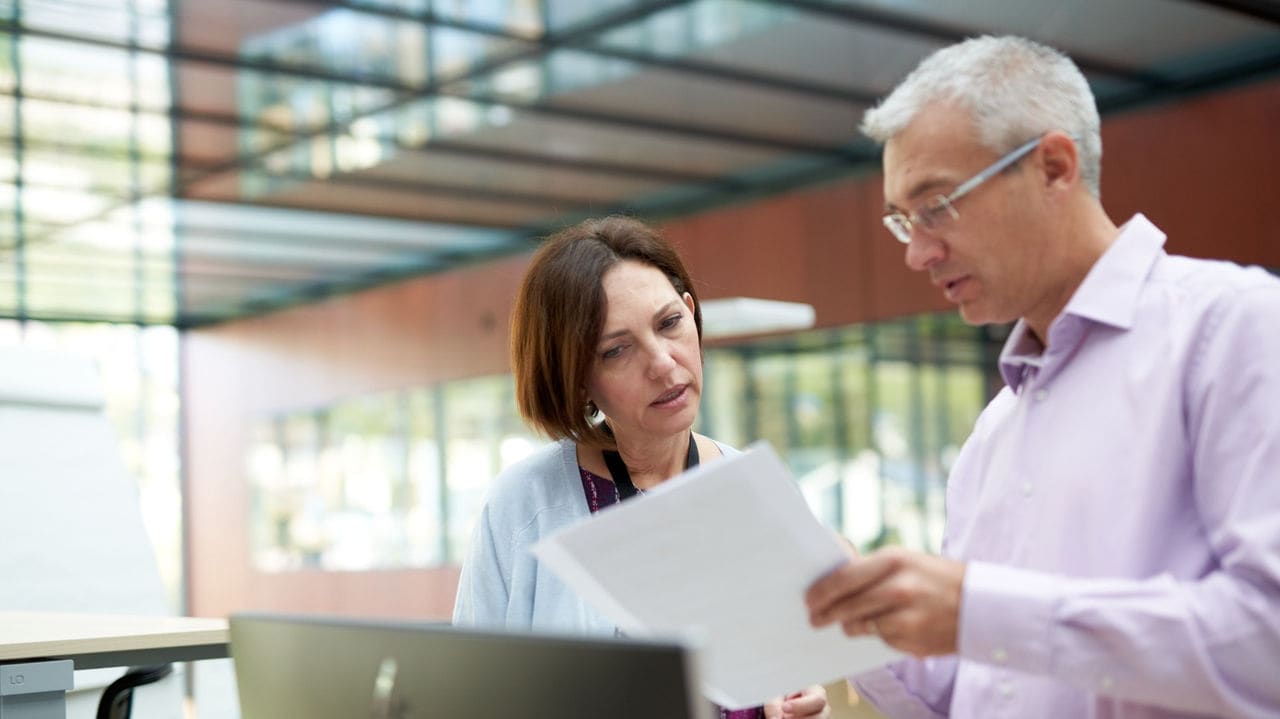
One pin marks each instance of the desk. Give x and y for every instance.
(39, 651)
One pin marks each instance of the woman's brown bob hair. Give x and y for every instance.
(560, 313)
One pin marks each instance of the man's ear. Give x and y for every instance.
(1059, 159)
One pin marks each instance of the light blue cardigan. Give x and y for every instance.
(502, 586)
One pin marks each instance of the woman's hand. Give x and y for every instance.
(808, 703)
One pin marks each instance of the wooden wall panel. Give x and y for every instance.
(1207, 171)
(1204, 169)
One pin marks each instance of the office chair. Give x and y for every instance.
(117, 699)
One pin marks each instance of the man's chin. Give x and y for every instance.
(975, 315)
(971, 315)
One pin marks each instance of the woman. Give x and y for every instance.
(606, 348)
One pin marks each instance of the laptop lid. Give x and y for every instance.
(341, 668)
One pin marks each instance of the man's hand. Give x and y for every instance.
(912, 600)
(809, 703)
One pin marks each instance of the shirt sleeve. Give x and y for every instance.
(484, 587)
(911, 688)
(1209, 645)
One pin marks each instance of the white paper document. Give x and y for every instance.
(720, 556)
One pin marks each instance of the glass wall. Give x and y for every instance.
(139, 373)
(89, 139)
(869, 419)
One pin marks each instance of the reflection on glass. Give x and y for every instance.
(349, 126)
(380, 482)
(455, 52)
(521, 17)
(687, 29)
(478, 444)
(565, 15)
(79, 73)
(424, 518)
(306, 128)
(143, 21)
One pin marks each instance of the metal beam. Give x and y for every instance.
(444, 220)
(1265, 10)
(550, 201)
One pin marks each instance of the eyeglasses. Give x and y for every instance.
(942, 207)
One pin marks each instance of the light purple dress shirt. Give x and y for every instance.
(1118, 505)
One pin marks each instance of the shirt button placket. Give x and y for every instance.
(1039, 395)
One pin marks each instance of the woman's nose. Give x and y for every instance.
(660, 362)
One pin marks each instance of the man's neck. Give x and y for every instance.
(1085, 241)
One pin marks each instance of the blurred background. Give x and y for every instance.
(290, 232)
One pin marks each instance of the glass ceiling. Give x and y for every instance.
(186, 163)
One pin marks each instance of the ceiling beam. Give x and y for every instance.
(1265, 10)
(632, 122)
(545, 201)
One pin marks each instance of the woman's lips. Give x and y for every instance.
(672, 396)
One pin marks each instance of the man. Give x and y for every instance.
(1113, 523)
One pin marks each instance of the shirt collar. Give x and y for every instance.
(1021, 351)
(1108, 294)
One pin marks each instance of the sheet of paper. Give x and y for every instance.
(720, 556)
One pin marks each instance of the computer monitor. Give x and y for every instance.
(339, 668)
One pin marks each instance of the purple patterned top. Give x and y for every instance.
(603, 492)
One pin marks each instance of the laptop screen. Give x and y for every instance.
(341, 668)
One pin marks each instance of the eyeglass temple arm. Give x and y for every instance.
(994, 169)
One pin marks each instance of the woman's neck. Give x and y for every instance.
(652, 461)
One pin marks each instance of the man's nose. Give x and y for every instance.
(924, 250)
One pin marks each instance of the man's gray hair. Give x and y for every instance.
(1014, 88)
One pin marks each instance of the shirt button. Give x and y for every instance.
(1006, 689)
(1026, 489)
(1106, 683)
(1041, 395)
(999, 655)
